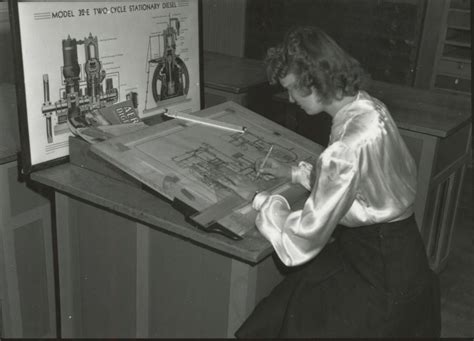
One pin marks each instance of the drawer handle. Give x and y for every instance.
(461, 66)
(456, 81)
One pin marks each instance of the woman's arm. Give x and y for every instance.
(300, 235)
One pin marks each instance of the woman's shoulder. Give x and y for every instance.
(364, 121)
(367, 107)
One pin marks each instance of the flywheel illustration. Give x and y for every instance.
(170, 76)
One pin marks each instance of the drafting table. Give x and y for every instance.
(190, 163)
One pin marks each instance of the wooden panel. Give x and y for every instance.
(444, 243)
(432, 33)
(431, 228)
(459, 18)
(81, 155)
(107, 260)
(452, 148)
(440, 223)
(31, 264)
(456, 84)
(189, 289)
(457, 277)
(415, 146)
(423, 149)
(22, 198)
(182, 289)
(269, 274)
(455, 68)
(461, 4)
(68, 265)
(26, 269)
(455, 47)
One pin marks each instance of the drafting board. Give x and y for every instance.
(190, 162)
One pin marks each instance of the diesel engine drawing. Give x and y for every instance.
(82, 91)
(170, 77)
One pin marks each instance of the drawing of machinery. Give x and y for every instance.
(82, 94)
(171, 76)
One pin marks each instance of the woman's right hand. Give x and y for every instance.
(273, 167)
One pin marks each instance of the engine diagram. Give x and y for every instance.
(82, 94)
(170, 80)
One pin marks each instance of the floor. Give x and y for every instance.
(457, 278)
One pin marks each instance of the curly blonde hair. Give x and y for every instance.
(317, 61)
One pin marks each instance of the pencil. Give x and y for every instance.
(207, 122)
(265, 159)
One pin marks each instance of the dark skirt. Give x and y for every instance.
(372, 281)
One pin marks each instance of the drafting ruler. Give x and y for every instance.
(208, 219)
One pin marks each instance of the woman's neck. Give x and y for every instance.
(336, 105)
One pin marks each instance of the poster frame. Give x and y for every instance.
(26, 166)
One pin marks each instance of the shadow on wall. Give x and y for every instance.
(9, 135)
(7, 74)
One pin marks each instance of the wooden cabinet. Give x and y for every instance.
(444, 62)
(442, 162)
(453, 58)
(129, 265)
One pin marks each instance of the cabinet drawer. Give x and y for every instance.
(461, 4)
(462, 69)
(453, 83)
(459, 19)
(457, 52)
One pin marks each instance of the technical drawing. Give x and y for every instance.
(211, 166)
(170, 77)
(249, 140)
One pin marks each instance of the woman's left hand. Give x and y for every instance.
(241, 185)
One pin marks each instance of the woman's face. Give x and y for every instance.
(309, 103)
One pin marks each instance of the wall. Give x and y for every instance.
(224, 26)
(27, 297)
(382, 35)
(9, 137)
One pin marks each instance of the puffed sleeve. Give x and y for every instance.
(298, 236)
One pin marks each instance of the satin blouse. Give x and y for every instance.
(366, 175)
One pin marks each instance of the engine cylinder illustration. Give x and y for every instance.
(71, 67)
(82, 93)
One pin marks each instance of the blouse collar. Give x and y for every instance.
(339, 116)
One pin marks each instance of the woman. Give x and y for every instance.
(360, 264)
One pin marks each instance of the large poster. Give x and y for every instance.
(84, 58)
